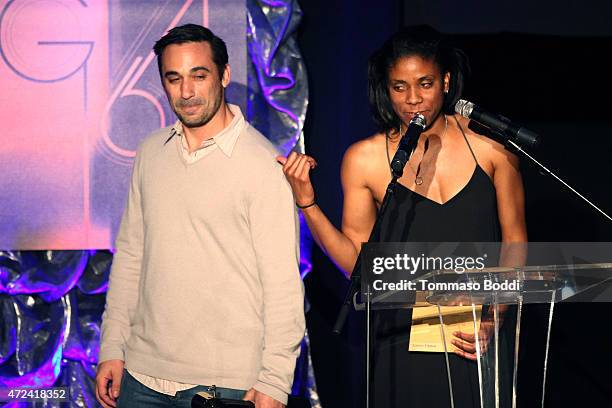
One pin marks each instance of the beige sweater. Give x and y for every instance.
(205, 286)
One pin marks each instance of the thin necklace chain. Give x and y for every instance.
(418, 180)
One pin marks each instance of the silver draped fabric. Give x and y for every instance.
(277, 100)
(51, 304)
(277, 82)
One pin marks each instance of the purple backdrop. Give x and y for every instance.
(80, 90)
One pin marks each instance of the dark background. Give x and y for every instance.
(541, 63)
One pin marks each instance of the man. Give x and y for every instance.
(205, 290)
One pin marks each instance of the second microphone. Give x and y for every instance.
(407, 144)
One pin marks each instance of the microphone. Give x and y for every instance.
(505, 126)
(407, 145)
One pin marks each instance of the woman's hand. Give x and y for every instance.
(466, 342)
(297, 168)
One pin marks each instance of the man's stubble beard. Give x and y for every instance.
(206, 116)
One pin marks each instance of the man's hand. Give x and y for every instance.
(261, 400)
(109, 370)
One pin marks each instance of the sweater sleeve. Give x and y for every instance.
(275, 236)
(122, 294)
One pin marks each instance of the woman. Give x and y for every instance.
(457, 186)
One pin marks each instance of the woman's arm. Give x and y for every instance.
(510, 196)
(511, 212)
(510, 208)
(359, 210)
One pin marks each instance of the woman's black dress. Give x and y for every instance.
(403, 379)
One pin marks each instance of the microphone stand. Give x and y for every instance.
(502, 127)
(356, 274)
(510, 142)
(374, 236)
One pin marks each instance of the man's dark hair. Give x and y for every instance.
(193, 33)
(422, 41)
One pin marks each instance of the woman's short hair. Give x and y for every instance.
(422, 41)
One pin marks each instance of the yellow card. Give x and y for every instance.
(426, 333)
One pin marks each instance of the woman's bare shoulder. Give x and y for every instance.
(366, 150)
(486, 148)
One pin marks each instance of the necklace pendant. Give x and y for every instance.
(418, 180)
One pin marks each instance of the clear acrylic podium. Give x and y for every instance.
(491, 301)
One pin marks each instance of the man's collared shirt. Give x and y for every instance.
(224, 140)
